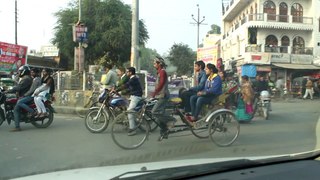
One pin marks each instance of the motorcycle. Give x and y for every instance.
(7, 105)
(97, 118)
(264, 104)
(112, 104)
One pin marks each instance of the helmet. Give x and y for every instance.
(160, 60)
(24, 70)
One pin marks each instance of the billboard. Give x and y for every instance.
(208, 54)
(12, 56)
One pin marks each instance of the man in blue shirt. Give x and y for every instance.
(201, 80)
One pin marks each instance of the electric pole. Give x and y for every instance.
(135, 36)
(16, 22)
(198, 23)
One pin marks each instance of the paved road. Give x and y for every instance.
(67, 144)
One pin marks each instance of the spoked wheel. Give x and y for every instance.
(224, 128)
(96, 122)
(120, 132)
(200, 129)
(151, 121)
(43, 122)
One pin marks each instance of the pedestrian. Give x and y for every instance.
(247, 94)
(309, 89)
(162, 94)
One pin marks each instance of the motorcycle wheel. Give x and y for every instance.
(266, 111)
(96, 122)
(43, 122)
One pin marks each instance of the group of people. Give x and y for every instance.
(126, 82)
(32, 87)
(208, 86)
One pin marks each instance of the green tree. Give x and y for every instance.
(182, 57)
(215, 29)
(146, 59)
(109, 31)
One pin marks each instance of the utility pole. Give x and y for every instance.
(135, 36)
(16, 22)
(198, 23)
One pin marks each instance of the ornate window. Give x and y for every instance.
(297, 13)
(270, 8)
(271, 44)
(298, 45)
(283, 11)
(285, 42)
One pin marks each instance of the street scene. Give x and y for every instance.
(89, 83)
(67, 144)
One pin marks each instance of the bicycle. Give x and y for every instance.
(218, 124)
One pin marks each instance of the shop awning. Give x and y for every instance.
(296, 66)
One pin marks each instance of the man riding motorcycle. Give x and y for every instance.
(21, 88)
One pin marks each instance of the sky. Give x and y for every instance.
(168, 21)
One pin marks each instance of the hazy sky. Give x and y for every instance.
(167, 21)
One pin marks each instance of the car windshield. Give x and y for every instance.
(111, 83)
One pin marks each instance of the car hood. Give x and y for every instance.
(131, 170)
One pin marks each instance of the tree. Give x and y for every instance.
(146, 59)
(109, 31)
(215, 29)
(182, 56)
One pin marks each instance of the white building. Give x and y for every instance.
(278, 37)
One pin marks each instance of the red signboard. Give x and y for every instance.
(12, 56)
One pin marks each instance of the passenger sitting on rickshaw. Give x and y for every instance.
(212, 89)
(200, 82)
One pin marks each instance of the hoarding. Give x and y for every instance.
(12, 56)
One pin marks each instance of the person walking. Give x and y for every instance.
(309, 89)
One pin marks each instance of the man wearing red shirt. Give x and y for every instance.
(162, 94)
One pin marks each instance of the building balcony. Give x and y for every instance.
(264, 20)
(278, 49)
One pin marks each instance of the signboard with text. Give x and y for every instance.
(80, 33)
(12, 56)
(208, 54)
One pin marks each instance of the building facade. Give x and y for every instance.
(276, 38)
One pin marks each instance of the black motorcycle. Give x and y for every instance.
(7, 105)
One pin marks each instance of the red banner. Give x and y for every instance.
(12, 56)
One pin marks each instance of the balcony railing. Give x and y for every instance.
(256, 17)
(305, 50)
(278, 49)
(253, 48)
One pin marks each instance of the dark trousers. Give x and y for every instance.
(185, 97)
